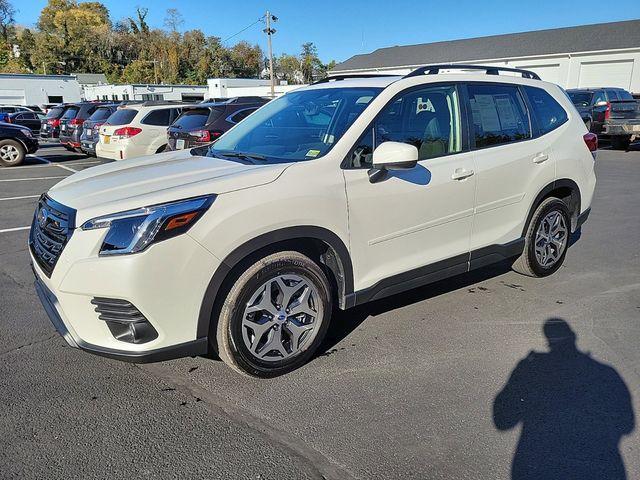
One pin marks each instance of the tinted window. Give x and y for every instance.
(612, 95)
(499, 115)
(624, 95)
(55, 112)
(599, 97)
(581, 99)
(192, 119)
(26, 116)
(122, 116)
(160, 117)
(70, 113)
(242, 114)
(100, 114)
(549, 114)
(426, 118)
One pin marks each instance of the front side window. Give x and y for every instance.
(580, 99)
(499, 115)
(548, 113)
(301, 125)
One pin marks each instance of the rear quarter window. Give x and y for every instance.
(122, 116)
(160, 118)
(548, 113)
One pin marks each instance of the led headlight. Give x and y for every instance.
(134, 230)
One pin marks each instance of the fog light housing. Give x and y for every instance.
(125, 322)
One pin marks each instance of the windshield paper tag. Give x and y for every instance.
(313, 153)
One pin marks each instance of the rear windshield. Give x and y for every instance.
(624, 95)
(70, 113)
(100, 114)
(55, 112)
(197, 117)
(122, 116)
(581, 99)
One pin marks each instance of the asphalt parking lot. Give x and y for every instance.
(434, 383)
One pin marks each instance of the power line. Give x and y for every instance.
(261, 19)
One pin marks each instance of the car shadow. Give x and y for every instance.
(573, 411)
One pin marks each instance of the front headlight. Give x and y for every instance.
(27, 132)
(134, 230)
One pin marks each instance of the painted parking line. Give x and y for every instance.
(52, 164)
(16, 229)
(18, 198)
(64, 167)
(49, 162)
(28, 179)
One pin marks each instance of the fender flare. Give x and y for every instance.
(341, 265)
(574, 206)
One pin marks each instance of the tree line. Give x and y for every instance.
(72, 36)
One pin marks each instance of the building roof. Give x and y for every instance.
(37, 76)
(91, 78)
(586, 38)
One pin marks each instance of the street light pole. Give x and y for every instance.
(270, 31)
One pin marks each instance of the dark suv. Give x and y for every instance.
(204, 123)
(71, 123)
(91, 127)
(50, 125)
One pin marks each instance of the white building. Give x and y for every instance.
(185, 93)
(245, 87)
(606, 54)
(32, 89)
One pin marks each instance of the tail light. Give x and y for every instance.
(202, 135)
(127, 132)
(76, 122)
(607, 111)
(591, 140)
(54, 122)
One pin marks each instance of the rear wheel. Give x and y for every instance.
(275, 315)
(621, 142)
(546, 240)
(12, 153)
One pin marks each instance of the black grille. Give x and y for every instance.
(51, 229)
(115, 310)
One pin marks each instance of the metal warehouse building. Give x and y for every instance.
(31, 89)
(606, 54)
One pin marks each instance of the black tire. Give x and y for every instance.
(70, 148)
(227, 339)
(14, 154)
(621, 142)
(528, 263)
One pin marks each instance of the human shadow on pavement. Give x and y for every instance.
(573, 410)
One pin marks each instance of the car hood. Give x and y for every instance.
(153, 179)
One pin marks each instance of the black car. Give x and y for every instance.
(16, 142)
(91, 126)
(71, 123)
(205, 122)
(31, 120)
(50, 125)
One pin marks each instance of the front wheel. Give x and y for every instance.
(275, 315)
(12, 153)
(546, 240)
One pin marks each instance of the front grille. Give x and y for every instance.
(51, 229)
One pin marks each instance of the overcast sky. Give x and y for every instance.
(342, 28)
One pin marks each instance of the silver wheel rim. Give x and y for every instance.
(9, 153)
(281, 318)
(551, 239)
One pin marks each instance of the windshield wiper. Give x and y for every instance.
(245, 155)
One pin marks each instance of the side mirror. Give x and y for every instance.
(392, 156)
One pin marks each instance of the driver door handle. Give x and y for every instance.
(541, 157)
(461, 174)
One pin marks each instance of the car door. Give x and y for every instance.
(414, 223)
(511, 165)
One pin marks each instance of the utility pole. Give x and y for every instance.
(270, 31)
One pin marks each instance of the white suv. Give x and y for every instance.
(336, 194)
(137, 129)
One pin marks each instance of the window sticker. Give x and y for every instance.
(313, 153)
(424, 106)
(488, 113)
(505, 111)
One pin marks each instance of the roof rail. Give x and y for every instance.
(489, 70)
(347, 76)
(152, 103)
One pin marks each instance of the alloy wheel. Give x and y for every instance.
(551, 239)
(9, 153)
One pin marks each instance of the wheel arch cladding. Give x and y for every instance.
(319, 243)
(566, 190)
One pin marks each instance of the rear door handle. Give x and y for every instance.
(541, 157)
(461, 174)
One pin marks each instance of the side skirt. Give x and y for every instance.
(441, 270)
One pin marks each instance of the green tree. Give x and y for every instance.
(311, 65)
(7, 20)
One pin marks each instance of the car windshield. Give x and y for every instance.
(581, 99)
(298, 126)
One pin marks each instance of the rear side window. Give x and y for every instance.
(613, 96)
(548, 113)
(122, 116)
(195, 118)
(242, 114)
(161, 118)
(100, 114)
(499, 115)
(55, 112)
(70, 113)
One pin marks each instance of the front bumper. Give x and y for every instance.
(31, 143)
(50, 304)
